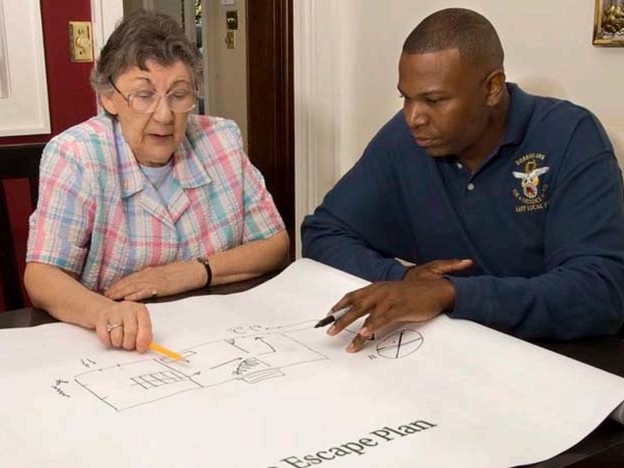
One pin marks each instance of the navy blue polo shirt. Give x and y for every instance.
(542, 219)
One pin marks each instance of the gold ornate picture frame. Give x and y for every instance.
(609, 23)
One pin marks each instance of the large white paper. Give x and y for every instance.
(264, 389)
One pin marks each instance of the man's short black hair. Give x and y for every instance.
(460, 28)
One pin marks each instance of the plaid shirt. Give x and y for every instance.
(95, 218)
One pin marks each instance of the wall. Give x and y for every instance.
(168, 7)
(346, 56)
(548, 49)
(71, 100)
(353, 47)
(70, 95)
(226, 68)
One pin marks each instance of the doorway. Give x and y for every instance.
(248, 75)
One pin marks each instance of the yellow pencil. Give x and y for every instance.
(166, 352)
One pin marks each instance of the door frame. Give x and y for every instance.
(270, 91)
(104, 16)
(270, 102)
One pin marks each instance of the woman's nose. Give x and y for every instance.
(163, 112)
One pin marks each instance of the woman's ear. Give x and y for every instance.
(108, 103)
(495, 87)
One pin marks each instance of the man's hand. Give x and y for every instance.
(158, 281)
(436, 269)
(124, 325)
(423, 294)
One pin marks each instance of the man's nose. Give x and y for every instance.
(415, 115)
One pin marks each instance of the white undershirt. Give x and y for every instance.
(161, 179)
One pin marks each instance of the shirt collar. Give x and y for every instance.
(519, 114)
(186, 165)
(521, 107)
(131, 178)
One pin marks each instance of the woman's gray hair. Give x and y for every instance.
(143, 36)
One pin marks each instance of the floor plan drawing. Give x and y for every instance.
(249, 354)
(253, 354)
(400, 344)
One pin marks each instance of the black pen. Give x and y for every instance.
(331, 318)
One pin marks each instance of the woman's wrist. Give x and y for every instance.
(207, 270)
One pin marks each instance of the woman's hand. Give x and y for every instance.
(163, 280)
(124, 325)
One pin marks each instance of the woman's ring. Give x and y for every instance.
(111, 326)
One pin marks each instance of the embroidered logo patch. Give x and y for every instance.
(532, 192)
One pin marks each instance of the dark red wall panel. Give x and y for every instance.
(70, 97)
(69, 93)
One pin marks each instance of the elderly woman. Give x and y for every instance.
(146, 199)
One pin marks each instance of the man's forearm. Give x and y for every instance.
(563, 304)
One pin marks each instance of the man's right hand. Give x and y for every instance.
(423, 294)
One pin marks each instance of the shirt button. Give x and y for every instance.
(459, 165)
(470, 186)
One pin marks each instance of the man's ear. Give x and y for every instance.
(495, 85)
(106, 99)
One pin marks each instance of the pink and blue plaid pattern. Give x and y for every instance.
(95, 220)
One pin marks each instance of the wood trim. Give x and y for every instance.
(104, 15)
(16, 162)
(271, 102)
(317, 104)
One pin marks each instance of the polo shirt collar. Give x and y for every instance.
(521, 107)
(519, 114)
